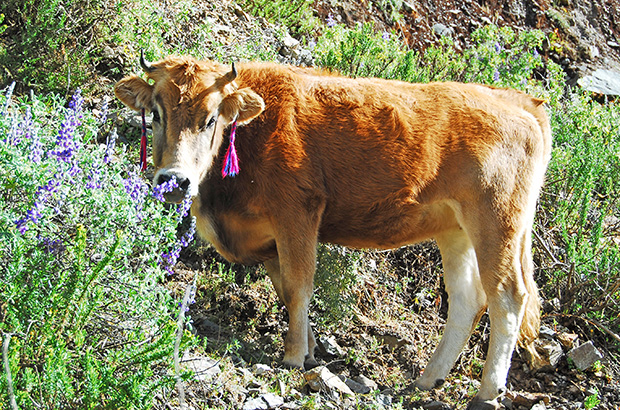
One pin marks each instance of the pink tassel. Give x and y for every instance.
(230, 167)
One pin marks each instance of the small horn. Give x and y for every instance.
(146, 65)
(230, 76)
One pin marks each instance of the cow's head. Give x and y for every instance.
(192, 102)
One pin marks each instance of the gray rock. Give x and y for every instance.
(331, 346)
(442, 30)
(365, 381)
(321, 379)
(259, 369)
(203, 367)
(605, 82)
(436, 405)
(272, 400)
(355, 386)
(585, 355)
(408, 7)
(255, 404)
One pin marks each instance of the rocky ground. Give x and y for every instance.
(371, 357)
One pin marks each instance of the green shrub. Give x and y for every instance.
(81, 261)
(296, 15)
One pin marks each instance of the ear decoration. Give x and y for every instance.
(230, 165)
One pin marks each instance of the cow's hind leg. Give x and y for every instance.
(273, 269)
(466, 303)
(503, 275)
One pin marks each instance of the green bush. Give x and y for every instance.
(81, 263)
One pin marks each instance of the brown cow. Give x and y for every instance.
(361, 162)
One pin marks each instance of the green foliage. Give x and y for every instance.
(580, 204)
(296, 15)
(89, 324)
(336, 276)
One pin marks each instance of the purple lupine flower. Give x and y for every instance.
(496, 76)
(165, 187)
(94, 178)
(103, 117)
(188, 236)
(385, 35)
(183, 207)
(40, 198)
(137, 190)
(331, 22)
(8, 95)
(36, 149)
(53, 246)
(169, 259)
(535, 53)
(498, 48)
(66, 142)
(109, 146)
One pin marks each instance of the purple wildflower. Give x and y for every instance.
(137, 189)
(169, 259)
(94, 178)
(496, 76)
(165, 187)
(36, 149)
(385, 35)
(535, 53)
(55, 246)
(104, 112)
(41, 197)
(66, 143)
(183, 207)
(109, 146)
(331, 22)
(498, 48)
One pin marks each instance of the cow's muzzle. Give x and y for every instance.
(178, 189)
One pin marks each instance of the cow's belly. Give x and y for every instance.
(389, 228)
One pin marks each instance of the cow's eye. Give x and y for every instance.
(210, 122)
(156, 117)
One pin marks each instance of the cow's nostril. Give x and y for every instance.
(183, 183)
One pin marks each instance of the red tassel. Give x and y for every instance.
(143, 144)
(230, 167)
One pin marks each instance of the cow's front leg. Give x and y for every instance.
(273, 269)
(296, 233)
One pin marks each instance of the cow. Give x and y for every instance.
(365, 163)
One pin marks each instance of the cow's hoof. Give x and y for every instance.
(483, 405)
(310, 363)
(291, 366)
(420, 384)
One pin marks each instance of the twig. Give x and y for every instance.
(7, 369)
(189, 290)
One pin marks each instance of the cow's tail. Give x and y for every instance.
(530, 325)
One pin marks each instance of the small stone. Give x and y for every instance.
(272, 400)
(255, 404)
(547, 332)
(384, 400)
(436, 405)
(321, 379)
(204, 368)
(567, 339)
(539, 406)
(442, 30)
(365, 381)
(355, 386)
(260, 369)
(331, 346)
(408, 7)
(585, 355)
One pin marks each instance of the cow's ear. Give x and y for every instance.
(244, 104)
(134, 92)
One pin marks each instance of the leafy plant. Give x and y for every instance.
(81, 260)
